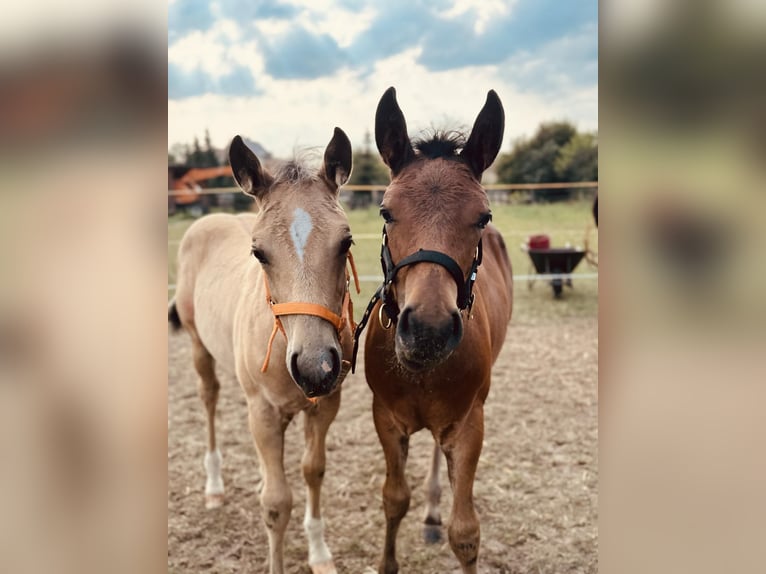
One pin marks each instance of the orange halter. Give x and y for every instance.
(339, 322)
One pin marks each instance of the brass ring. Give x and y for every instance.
(380, 318)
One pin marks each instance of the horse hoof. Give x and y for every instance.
(324, 568)
(432, 533)
(213, 501)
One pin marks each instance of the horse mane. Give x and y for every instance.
(440, 144)
(299, 169)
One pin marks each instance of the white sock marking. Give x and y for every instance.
(318, 550)
(300, 230)
(214, 484)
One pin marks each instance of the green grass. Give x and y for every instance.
(563, 222)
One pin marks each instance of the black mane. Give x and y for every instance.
(440, 144)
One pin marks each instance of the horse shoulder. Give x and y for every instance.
(497, 265)
(494, 303)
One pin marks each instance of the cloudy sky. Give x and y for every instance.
(285, 72)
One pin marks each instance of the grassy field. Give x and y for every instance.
(563, 222)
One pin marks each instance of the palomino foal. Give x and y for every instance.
(243, 278)
(436, 333)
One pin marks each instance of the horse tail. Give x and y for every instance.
(173, 317)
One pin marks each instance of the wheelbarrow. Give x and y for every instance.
(553, 264)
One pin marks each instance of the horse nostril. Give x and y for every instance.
(334, 364)
(294, 367)
(404, 320)
(457, 325)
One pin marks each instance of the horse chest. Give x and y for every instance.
(433, 401)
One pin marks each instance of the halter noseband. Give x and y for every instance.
(295, 308)
(465, 295)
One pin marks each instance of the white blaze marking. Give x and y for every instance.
(214, 484)
(300, 230)
(314, 527)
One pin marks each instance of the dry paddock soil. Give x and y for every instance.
(536, 486)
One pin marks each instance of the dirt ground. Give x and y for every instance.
(536, 488)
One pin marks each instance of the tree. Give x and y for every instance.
(209, 156)
(368, 170)
(558, 132)
(199, 157)
(178, 153)
(534, 160)
(578, 159)
(195, 157)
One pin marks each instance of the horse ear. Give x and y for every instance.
(251, 177)
(337, 159)
(391, 133)
(486, 136)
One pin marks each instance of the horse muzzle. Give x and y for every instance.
(316, 373)
(421, 343)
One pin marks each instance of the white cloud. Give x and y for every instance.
(273, 27)
(286, 113)
(290, 113)
(322, 17)
(343, 26)
(483, 10)
(200, 50)
(216, 51)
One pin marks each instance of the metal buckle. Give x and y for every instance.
(469, 307)
(386, 326)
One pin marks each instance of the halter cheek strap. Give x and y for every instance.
(297, 308)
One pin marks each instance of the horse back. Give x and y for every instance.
(213, 269)
(494, 287)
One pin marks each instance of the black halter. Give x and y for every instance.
(465, 295)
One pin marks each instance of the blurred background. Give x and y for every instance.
(82, 328)
(86, 87)
(683, 310)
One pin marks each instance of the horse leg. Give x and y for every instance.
(317, 421)
(462, 449)
(208, 387)
(432, 531)
(267, 426)
(396, 493)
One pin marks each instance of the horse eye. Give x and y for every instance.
(484, 220)
(260, 256)
(386, 215)
(345, 245)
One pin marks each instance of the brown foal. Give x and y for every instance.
(436, 333)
